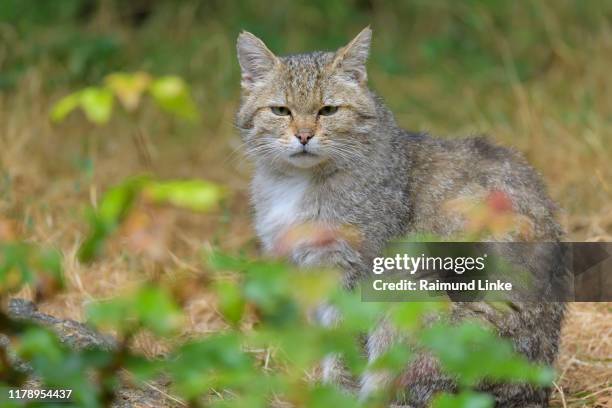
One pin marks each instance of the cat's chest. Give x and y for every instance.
(283, 203)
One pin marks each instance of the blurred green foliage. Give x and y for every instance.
(80, 41)
(248, 368)
(237, 367)
(116, 204)
(22, 263)
(170, 93)
(426, 56)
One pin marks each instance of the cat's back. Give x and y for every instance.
(446, 170)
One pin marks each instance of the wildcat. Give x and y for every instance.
(327, 150)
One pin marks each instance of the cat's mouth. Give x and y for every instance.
(304, 159)
(303, 153)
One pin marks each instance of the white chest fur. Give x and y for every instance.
(279, 204)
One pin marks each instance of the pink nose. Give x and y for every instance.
(304, 135)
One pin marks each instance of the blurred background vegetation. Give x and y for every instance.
(533, 75)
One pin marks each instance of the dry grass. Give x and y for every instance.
(584, 367)
(560, 120)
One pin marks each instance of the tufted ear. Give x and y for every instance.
(255, 59)
(351, 59)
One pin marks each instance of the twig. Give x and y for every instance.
(165, 394)
(591, 395)
(154, 388)
(267, 360)
(560, 391)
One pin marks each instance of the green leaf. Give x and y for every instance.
(97, 103)
(195, 195)
(476, 353)
(50, 261)
(112, 210)
(5, 400)
(231, 301)
(117, 201)
(215, 362)
(257, 399)
(22, 263)
(325, 396)
(128, 87)
(114, 314)
(15, 269)
(221, 261)
(466, 399)
(40, 343)
(301, 346)
(394, 359)
(311, 287)
(143, 368)
(157, 311)
(267, 285)
(150, 308)
(408, 315)
(358, 315)
(172, 94)
(59, 367)
(62, 108)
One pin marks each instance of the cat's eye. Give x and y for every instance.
(328, 110)
(280, 110)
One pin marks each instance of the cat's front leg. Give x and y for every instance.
(328, 250)
(379, 341)
(333, 370)
(315, 244)
(337, 254)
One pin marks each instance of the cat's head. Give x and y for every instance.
(307, 110)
